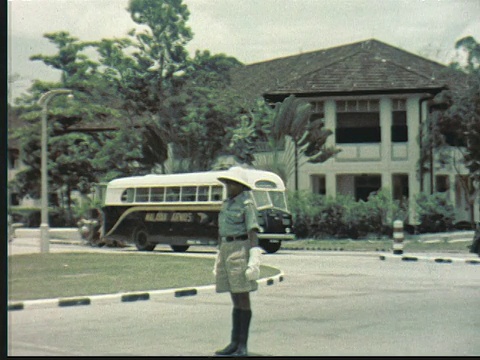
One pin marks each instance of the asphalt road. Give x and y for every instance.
(329, 304)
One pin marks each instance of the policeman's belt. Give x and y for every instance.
(234, 238)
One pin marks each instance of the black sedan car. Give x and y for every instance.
(475, 247)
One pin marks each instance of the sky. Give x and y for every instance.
(249, 30)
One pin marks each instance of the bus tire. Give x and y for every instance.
(179, 248)
(140, 238)
(270, 247)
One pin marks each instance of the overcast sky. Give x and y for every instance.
(249, 30)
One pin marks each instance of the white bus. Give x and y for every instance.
(182, 209)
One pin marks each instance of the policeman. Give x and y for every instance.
(237, 264)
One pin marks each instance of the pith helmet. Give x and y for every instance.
(235, 174)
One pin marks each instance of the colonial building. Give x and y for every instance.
(375, 98)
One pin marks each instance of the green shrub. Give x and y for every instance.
(435, 212)
(305, 206)
(316, 216)
(330, 220)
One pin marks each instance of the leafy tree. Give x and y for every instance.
(70, 155)
(459, 124)
(159, 58)
(208, 114)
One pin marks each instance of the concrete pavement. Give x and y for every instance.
(27, 241)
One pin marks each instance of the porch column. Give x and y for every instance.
(451, 189)
(413, 123)
(386, 141)
(331, 185)
(330, 112)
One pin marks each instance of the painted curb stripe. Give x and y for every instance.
(135, 297)
(17, 306)
(187, 292)
(74, 302)
(472, 261)
(443, 261)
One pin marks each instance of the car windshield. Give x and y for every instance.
(264, 199)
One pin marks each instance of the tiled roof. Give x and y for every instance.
(369, 65)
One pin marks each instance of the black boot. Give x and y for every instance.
(232, 347)
(245, 318)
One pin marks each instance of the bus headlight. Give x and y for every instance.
(288, 230)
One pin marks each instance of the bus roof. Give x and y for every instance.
(257, 179)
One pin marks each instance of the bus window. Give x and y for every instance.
(157, 194)
(127, 195)
(217, 193)
(202, 193)
(188, 193)
(278, 199)
(265, 184)
(173, 193)
(261, 198)
(141, 195)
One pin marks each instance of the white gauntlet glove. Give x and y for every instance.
(253, 269)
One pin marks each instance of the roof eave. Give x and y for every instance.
(281, 95)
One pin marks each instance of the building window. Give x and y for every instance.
(358, 122)
(399, 126)
(442, 183)
(365, 185)
(400, 187)
(319, 184)
(399, 121)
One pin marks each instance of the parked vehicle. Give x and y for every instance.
(182, 209)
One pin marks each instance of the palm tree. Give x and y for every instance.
(291, 124)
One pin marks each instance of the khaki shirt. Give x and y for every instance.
(237, 216)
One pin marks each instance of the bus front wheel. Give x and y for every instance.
(179, 248)
(140, 238)
(269, 246)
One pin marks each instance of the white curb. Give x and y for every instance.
(435, 259)
(126, 296)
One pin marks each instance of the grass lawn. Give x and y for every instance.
(54, 275)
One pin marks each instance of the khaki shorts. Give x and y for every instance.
(233, 261)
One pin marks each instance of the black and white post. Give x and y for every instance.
(398, 237)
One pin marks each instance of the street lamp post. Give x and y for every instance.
(43, 102)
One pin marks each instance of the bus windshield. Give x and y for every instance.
(266, 199)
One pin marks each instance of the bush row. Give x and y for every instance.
(31, 217)
(318, 216)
